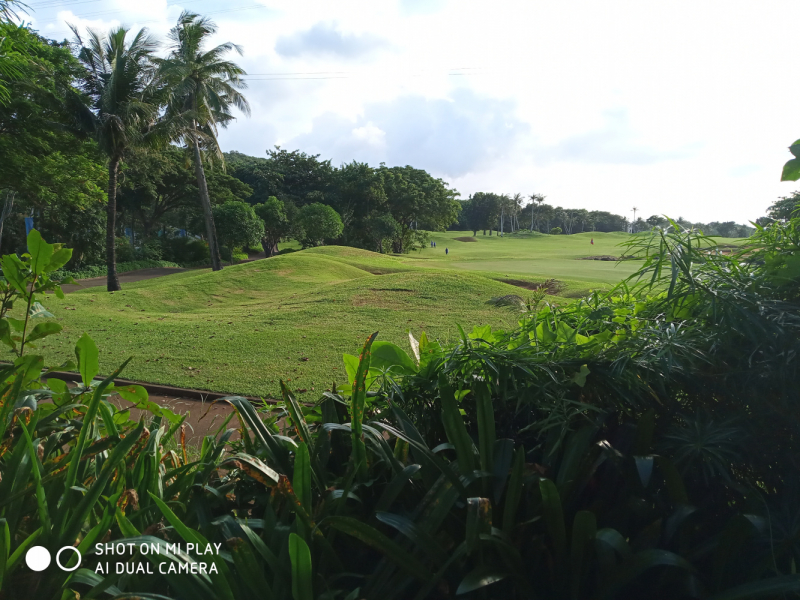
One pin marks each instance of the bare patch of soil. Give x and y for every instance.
(378, 270)
(553, 286)
(608, 257)
(466, 239)
(601, 257)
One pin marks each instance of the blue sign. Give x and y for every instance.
(182, 233)
(28, 225)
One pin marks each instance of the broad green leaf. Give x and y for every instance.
(386, 355)
(139, 396)
(428, 350)
(791, 170)
(544, 334)
(59, 259)
(17, 324)
(350, 367)
(13, 269)
(42, 330)
(132, 393)
(795, 149)
(88, 359)
(579, 378)
(302, 575)
(41, 252)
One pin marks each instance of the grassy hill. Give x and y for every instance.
(292, 316)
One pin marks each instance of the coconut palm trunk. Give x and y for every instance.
(111, 228)
(205, 201)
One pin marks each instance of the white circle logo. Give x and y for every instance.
(58, 558)
(38, 558)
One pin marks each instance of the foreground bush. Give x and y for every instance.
(528, 464)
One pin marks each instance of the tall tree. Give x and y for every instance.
(119, 84)
(535, 217)
(483, 210)
(202, 89)
(276, 224)
(416, 200)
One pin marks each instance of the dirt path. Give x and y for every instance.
(129, 277)
(204, 419)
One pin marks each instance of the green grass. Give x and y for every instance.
(540, 256)
(243, 329)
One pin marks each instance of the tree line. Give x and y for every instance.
(112, 150)
(506, 213)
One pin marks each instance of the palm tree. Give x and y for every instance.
(202, 88)
(122, 108)
(535, 198)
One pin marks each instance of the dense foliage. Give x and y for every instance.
(504, 213)
(635, 444)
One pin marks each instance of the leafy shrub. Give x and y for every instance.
(319, 222)
(556, 231)
(100, 270)
(185, 250)
(238, 254)
(151, 250)
(125, 251)
(237, 225)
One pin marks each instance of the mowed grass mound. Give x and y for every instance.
(534, 255)
(290, 317)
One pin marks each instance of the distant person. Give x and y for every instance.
(446, 251)
(592, 242)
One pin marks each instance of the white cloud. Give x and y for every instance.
(681, 108)
(326, 39)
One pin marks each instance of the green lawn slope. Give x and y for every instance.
(292, 316)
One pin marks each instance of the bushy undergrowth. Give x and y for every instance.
(122, 267)
(639, 444)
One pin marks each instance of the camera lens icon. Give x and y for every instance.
(38, 558)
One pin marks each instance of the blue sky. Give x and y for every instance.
(679, 108)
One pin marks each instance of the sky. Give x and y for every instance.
(683, 108)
